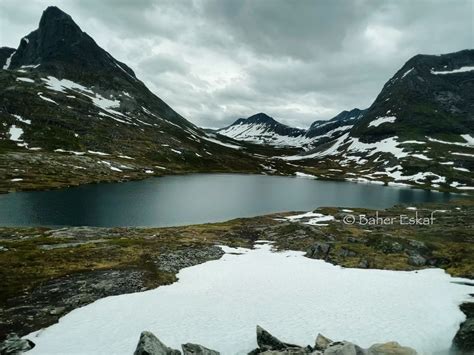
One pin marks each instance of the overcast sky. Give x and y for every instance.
(299, 61)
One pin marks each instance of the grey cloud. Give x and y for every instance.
(297, 60)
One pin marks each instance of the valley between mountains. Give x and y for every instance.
(72, 114)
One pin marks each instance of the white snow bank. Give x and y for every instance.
(219, 303)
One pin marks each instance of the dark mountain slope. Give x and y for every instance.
(71, 114)
(419, 130)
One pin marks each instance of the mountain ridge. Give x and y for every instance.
(72, 114)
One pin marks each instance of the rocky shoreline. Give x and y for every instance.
(58, 270)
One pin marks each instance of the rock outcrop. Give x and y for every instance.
(14, 345)
(149, 344)
(463, 342)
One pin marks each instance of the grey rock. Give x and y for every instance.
(416, 260)
(347, 252)
(390, 348)
(344, 348)
(189, 349)
(463, 342)
(364, 264)
(318, 251)
(149, 344)
(14, 345)
(321, 342)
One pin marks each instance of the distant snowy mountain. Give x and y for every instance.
(263, 129)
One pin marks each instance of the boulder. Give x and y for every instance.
(390, 348)
(318, 251)
(266, 342)
(463, 342)
(416, 260)
(364, 264)
(321, 342)
(189, 349)
(149, 344)
(14, 345)
(344, 348)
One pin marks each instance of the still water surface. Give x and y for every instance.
(197, 198)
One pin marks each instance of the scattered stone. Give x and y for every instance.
(321, 342)
(364, 264)
(390, 348)
(416, 260)
(149, 344)
(190, 349)
(14, 345)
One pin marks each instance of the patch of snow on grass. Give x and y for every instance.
(420, 156)
(46, 98)
(97, 153)
(381, 120)
(463, 154)
(407, 72)
(454, 71)
(21, 119)
(16, 179)
(461, 169)
(26, 80)
(15, 133)
(62, 85)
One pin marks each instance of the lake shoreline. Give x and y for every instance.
(83, 264)
(50, 185)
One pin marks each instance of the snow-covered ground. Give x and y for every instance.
(219, 303)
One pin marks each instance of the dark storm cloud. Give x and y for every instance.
(298, 60)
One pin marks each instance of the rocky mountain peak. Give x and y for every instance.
(62, 49)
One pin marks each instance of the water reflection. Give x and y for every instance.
(199, 198)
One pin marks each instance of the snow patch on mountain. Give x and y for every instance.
(454, 71)
(381, 120)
